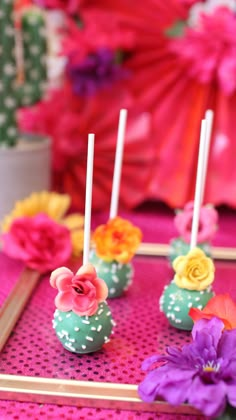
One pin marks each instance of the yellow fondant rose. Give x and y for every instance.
(194, 271)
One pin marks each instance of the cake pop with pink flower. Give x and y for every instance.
(82, 320)
(208, 222)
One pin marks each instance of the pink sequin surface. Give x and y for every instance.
(141, 331)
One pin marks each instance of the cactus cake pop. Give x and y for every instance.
(82, 320)
(190, 288)
(115, 245)
(208, 220)
(208, 216)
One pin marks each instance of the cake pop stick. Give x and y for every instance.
(88, 198)
(209, 115)
(199, 185)
(118, 164)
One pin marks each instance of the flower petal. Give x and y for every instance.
(101, 289)
(85, 306)
(212, 327)
(61, 278)
(231, 393)
(87, 271)
(210, 399)
(64, 301)
(227, 345)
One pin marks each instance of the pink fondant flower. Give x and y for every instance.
(80, 293)
(39, 241)
(207, 222)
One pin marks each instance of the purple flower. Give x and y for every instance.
(97, 71)
(202, 373)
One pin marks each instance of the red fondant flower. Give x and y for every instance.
(39, 241)
(80, 293)
(207, 222)
(220, 306)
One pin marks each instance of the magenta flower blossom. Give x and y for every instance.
(207, 223)
(209, 49)
(202, 373)
(40, 242)
(80, 293)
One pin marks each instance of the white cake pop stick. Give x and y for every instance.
(88, 198)
(118, 164)
(198, 188)
(209, 115)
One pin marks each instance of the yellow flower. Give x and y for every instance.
(117, 240)
(55, 206)
(75, 223)
(194, 271)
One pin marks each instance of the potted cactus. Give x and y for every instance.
(24, 160)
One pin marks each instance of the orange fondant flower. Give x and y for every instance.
(220, 306)
(117, 240)
(194, 271)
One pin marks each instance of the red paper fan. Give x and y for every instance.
(163, 86)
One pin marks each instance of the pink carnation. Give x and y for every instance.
(38, 241)
(80, 293)
(209, 49)
(207, 222)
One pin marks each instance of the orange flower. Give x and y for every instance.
(117, 240)
(220, 306)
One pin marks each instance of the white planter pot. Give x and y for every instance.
(24, 169)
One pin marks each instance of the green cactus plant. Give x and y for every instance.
(12, 94)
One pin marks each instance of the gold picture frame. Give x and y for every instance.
(74, 392)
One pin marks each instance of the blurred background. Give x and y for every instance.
(167, 63)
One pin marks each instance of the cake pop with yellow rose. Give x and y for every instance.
(191, 287)
(115, 245)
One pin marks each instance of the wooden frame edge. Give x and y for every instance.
(82, 393)
(162, 250)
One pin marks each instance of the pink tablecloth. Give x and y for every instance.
(121, 359)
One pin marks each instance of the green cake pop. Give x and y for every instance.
(117, 276)
(84, 334)
(208, 220)
(82, 320)
(190, 288)
(83, 323)
(115, 245)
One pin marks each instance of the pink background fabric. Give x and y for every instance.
(33, 348)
